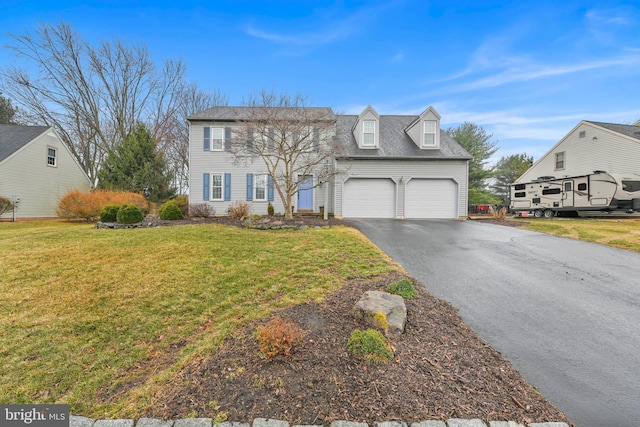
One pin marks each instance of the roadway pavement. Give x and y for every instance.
(565, 313)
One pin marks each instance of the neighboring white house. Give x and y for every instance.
(590, 146)
(393, 166)
(37, 168)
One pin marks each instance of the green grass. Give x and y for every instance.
(100, 319)
(619, 233)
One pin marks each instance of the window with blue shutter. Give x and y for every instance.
(205, 187)
(270, 188)
(207, 139)
(249, 186)
(227, 187)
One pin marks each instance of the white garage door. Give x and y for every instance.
(369, 198)
(431, 198)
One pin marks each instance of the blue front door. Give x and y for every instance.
(305, 193)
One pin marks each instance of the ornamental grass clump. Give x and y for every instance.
(278, 336)
(403, 287)
(371, 346)
(499, 214)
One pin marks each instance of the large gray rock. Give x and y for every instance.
(382, 310)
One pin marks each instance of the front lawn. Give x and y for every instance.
(619, 233)
(98, 318)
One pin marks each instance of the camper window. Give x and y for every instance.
(521, 194)
(518, 187)
(582, 186)
(548, 191)
(631, 186)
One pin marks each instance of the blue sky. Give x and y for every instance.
(527, 72)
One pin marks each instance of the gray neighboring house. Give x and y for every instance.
(590, 146)
(38, 168)
(393, 166)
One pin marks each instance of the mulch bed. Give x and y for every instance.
(441, 370)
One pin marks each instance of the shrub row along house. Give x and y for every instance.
(303, 159)
(36, 169)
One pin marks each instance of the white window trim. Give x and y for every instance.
(55, 157)
(364, 133)
(212, 143)
(433, 131)
(564, 161)
(255, 187)
(211, 187)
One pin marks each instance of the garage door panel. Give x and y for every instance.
(369, 198)
(431, 198)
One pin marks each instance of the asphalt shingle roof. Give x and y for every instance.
(14, 137)
(394, 141)
(244, 113)
(632, 131)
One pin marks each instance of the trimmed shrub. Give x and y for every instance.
(129, 214)
(78, 205)
(239, 210)
(170, 211)
(278, 336)
(109, 213)
(371, 346)
(270, 210)
(5, 205)
(182, 201)
(403, 287)
(201, 210)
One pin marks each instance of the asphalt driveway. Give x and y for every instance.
(565, 313)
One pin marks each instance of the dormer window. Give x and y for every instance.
(429, 133)
(369, 133)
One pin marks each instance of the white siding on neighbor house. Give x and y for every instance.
(221, 162)
(403, 172)
(40, 187)
(609, 151)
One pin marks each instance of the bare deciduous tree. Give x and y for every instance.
(293, 140)
(94, 96)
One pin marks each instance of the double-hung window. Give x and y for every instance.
(560, 160)
(213, 139)
(217, 186)
(260, 187)
(369, 133)
(52, 156)
(429, 139)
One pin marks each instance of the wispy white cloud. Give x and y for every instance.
(330, 31)
(398, 57)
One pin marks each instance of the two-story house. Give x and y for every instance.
(390, 166)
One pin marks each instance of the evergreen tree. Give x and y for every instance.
(477, 142)
(136, 165)
(506, 171)
(7, 111)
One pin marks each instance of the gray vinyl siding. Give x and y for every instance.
(610, 152)
(26, 174)
(400, 171)
(221, 162)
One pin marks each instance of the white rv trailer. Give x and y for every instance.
(599, 191)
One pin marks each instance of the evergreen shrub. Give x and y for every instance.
(109, 213)
(129, 214)
(170, 211)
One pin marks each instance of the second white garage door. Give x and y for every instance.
(431, 198)
(369, 198)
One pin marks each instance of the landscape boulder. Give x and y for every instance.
(382, 310)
